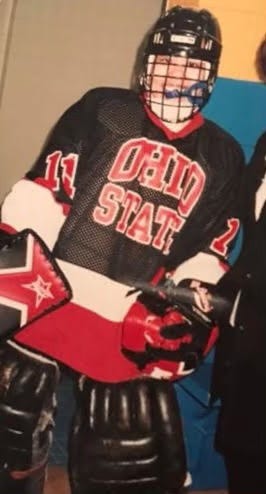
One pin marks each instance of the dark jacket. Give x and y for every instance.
(239, 377)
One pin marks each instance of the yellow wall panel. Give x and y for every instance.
(239, 5)
(243, 27)
(242, 32)
(168, 4)
(58, 50)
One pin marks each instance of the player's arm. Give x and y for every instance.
(174, 323)
(42, 199)
(178, 337)
(32, 214)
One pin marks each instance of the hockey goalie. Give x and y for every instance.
(133, 196)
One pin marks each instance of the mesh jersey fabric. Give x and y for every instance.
(134, 201)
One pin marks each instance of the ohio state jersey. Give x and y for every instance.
(134, 192)
(129, 197)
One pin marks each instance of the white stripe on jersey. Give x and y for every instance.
(97, 293)
(203, 267)
(109, 299)
(30, 205)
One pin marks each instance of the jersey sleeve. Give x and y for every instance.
(61, 162)
(42, 199)
(210, 261)
(229, 208)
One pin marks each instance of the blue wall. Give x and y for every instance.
(239, 107)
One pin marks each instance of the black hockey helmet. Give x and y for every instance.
(186, 32)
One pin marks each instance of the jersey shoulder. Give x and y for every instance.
(226, 150)
(109, 94)
(76, 115)
(116, 109)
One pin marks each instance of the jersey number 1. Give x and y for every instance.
(220, 244)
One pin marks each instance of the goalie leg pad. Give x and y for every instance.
(27, 406)
(127, 436)
(32, 485)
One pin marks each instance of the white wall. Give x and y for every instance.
(58, 50)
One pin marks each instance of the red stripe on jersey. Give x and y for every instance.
(82, 340)
(7, 228)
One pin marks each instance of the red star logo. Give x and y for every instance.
(41, 289)
(32, 288)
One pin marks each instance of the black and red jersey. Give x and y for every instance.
(119, 196)
(135, 192)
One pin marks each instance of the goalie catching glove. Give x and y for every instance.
(31, 283)
(164, 340)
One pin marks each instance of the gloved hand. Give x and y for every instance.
(166, 341)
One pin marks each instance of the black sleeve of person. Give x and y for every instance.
(254, 174)
(31, 282)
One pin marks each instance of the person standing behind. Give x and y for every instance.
(239, 378)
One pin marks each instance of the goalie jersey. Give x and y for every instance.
(118, 197)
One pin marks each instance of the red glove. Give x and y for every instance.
(163, 342)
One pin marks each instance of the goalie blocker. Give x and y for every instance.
(31, 282)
